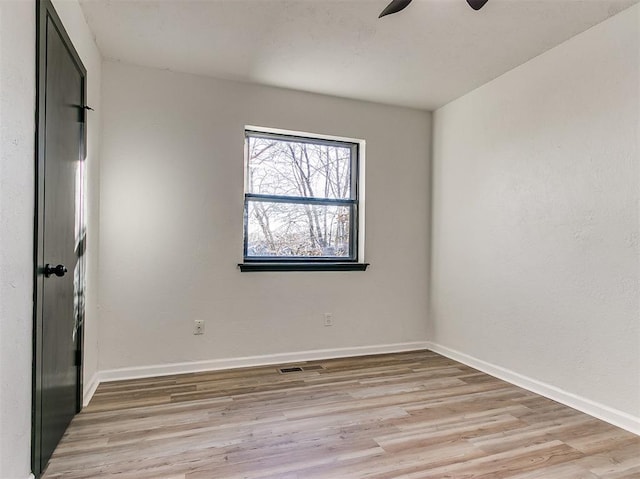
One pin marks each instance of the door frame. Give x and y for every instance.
(44, 12)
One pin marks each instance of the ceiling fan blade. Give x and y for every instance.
(395, 6)
(477, 4)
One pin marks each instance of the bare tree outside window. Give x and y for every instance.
(300, 198)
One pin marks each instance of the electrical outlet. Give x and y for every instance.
(328, 319)
(198, 326)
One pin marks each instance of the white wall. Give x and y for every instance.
(535, 220)
(17, 103)
(171, 224)
(17, 189)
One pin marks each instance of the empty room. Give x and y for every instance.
(329, 239)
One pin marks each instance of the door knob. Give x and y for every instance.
(59, 270)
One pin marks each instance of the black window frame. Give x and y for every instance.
(307, 263)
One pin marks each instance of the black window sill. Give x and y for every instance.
(319, 266)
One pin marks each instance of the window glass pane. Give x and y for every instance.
(297, 230)
(289, 168)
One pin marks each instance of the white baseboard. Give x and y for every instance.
(612, 416)
(90, 389)
(249, 361)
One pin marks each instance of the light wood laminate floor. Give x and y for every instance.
(410, 415)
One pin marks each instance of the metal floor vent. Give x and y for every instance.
(298, 369)
(290, 370)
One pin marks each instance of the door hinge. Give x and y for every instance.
(83, 113)
(78, 358)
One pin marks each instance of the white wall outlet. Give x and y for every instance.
(328, 319)
(198, 326)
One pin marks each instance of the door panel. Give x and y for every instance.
(62, 146)
(57, 334)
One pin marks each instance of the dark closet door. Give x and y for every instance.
(60, 238)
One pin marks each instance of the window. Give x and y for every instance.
(301, 204)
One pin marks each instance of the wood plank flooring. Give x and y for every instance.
(412, 415)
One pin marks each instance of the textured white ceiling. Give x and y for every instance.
(432, 52)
